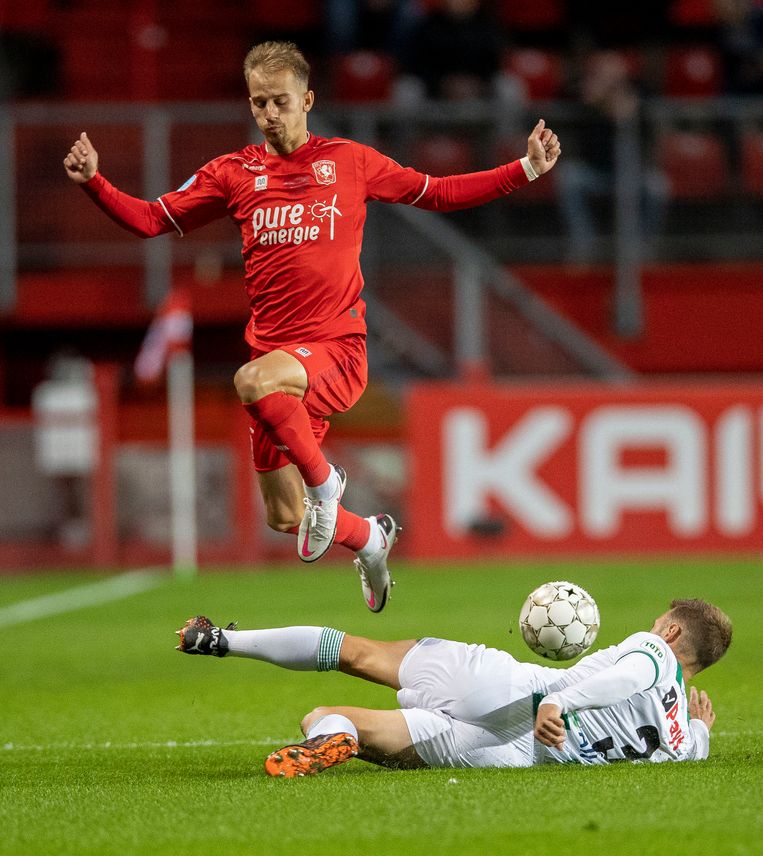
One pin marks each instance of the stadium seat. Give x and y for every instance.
(692, 72)
(29, 16)
(752, 162)
(540, 70)
(285, 16)
(440, 154)
(693, 13)
(364, 76)
(201, 64)
(89, 40)
(531, 15)
(695, 164)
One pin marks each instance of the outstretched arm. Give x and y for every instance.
(633, 673)
(142, 218)
(455, 192)
(387, 181)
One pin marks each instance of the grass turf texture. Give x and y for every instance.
(112, 742)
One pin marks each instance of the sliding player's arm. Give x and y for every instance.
(633, 673)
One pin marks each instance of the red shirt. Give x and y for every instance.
(301, 219)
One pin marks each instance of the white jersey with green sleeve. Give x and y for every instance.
(626, 703)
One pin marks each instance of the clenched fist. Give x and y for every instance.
(81, 163)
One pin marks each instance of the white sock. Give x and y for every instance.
(322, 492)
(290, 647)
(332, 723)
(304, 649)
(374, 542)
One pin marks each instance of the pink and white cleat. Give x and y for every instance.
(318, 527)
(374, 573)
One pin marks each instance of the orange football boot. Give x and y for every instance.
(312, 756)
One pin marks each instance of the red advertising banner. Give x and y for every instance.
(503, 471)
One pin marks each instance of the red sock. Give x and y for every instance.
(351, 530)
(287, 424)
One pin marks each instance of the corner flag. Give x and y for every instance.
(170, 332)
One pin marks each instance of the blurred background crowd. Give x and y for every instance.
(380, 49)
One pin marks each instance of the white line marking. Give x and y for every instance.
(195, 744)
(168, 744)
(93, 594)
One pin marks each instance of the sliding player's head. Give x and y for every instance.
(698, 632)
(277, 76)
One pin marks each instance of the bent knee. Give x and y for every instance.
(309, 718)
(253, 382)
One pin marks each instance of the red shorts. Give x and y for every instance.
(337, 374)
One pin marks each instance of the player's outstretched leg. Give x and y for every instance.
(371, 562)
(318, 527)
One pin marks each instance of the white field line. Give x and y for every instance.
(167, 744)
(93, 594)
(195, 744)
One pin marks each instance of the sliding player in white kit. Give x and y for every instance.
(470, 706)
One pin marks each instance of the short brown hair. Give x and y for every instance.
(276, 56)
(707, 629)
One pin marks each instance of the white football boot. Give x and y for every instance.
(318, 527)
(374, 573)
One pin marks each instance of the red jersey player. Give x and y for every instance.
(300, 204)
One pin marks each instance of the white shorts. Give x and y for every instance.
(467, 705)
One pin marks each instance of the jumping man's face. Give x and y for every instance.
(280, 104)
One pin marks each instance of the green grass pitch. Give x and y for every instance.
(112, 742)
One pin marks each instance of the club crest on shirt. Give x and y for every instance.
(325, 171)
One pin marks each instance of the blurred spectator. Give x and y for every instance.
(374, 25)
(456, 50)
(587, 169)
(66, 439)
(741, 41)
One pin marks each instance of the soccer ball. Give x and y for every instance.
(559, 620)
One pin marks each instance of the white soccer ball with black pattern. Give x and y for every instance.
(559, 620)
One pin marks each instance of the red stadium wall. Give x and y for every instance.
(697, 318)
(501, 471)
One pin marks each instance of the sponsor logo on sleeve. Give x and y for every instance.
(325, 171)
(653, 648)
(675, 732)
(303, 351)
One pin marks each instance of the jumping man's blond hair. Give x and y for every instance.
(276, 56)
